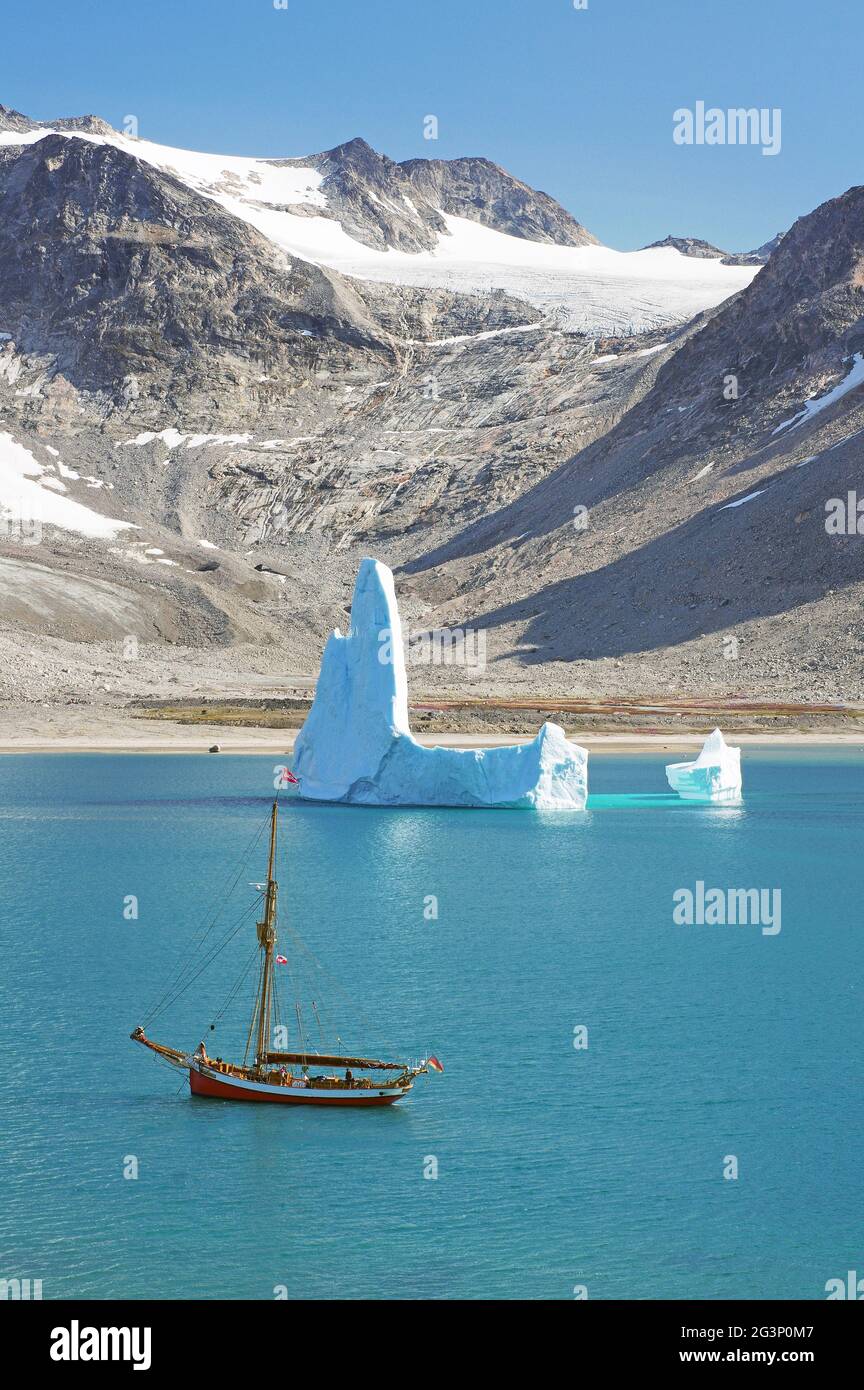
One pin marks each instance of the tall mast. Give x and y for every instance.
(267, 940)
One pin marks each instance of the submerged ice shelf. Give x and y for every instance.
(356, 744)
(714, 776)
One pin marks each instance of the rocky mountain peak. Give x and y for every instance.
(482, 191)
(386, 205)
(11, 120)
(368, 193)
(383, 204)
(91, 125)
(688, 246)
(704, 250)
(116, 268)
(356, 151)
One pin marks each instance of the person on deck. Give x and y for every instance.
(349, 1077)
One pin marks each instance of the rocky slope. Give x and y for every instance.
(705, 551)
(215, 429)
(163, 364)
(133, 283)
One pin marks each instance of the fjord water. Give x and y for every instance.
(557, 1167)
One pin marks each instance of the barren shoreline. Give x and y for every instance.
(57, 729)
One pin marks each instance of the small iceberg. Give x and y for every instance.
(356, 745)
(714, 776)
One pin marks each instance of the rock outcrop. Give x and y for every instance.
(485, 193)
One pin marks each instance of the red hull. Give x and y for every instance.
(286, 1095)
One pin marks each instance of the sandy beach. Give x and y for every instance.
(88, 729)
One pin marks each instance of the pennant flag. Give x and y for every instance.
(281, 960)
(288, 776)
(434, 1064)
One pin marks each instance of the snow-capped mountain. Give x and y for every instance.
(223, 380)
(465, 226)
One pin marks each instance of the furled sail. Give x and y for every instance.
(308, 1059)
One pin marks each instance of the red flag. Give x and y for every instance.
(281, 960)
(434, 1064)
(288, 776)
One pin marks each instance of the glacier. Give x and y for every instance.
(356, 745)
(714, 776)
(595, 288)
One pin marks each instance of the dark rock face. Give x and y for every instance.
(484, 192)
(120, 271)
(427, 316)
(787, 333)
(371, 195)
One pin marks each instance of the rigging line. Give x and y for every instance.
(323, 1017)
(331, 1029)
(162, 1061)
(254, 1013)
(178, 988)
(274, 1022)
(175, 993)
(318, 1021)
(277, 1000)
(331, 979)
(215, 951)
(295, 987)
(237, 987)
(329, 1025)
(197, 940)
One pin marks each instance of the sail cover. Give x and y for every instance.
(308, 1059)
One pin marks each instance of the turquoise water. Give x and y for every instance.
(556, 1166)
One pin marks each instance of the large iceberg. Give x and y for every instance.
(714, 776)
(356, 745)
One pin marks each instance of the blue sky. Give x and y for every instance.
(576, 102)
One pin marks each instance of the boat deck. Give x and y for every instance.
(276, 1078)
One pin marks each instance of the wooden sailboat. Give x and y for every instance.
(302, 1077)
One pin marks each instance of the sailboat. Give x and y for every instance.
(302, 1077)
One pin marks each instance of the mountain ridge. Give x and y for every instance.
(695, 246)
(237, 423)
(356, 176)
